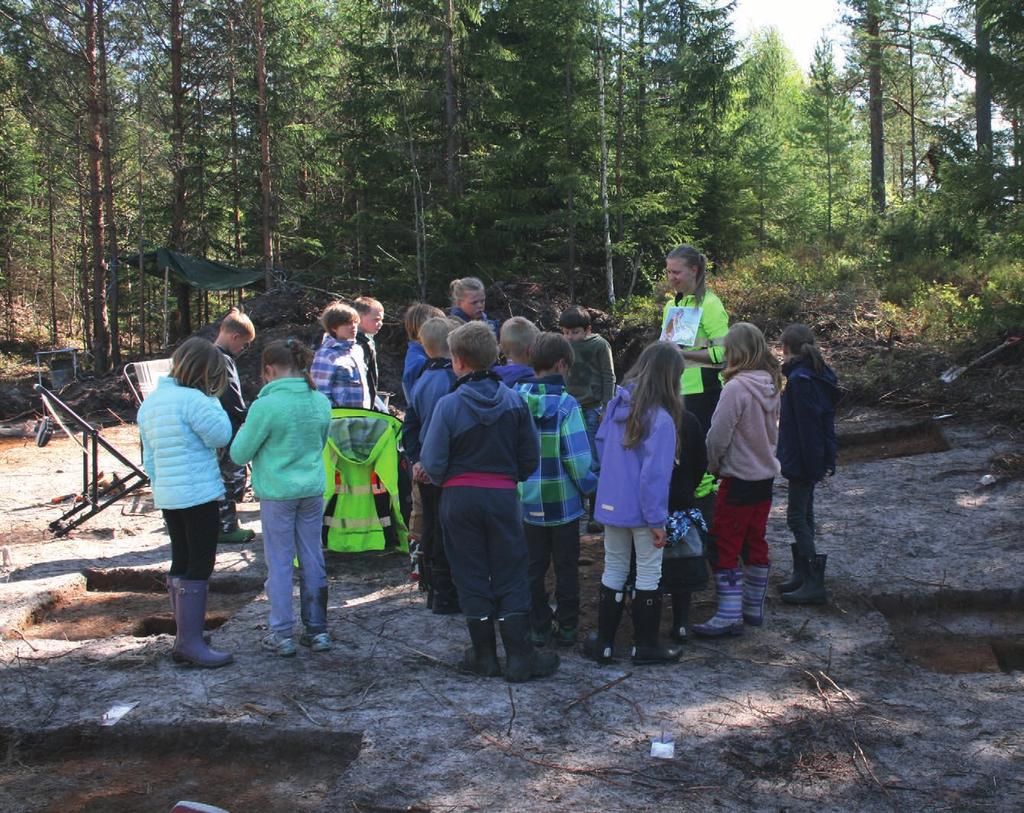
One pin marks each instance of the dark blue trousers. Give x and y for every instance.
(486, 549)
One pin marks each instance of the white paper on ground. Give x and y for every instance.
(112, 715)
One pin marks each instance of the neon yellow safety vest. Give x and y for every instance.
(714, 324)
(361, 459)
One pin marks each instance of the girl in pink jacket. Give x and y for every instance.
(741, 452)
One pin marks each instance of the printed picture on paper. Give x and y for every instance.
(680, 326)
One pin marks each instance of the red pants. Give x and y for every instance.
(738, 529)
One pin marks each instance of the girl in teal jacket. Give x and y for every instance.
(284, 436)
(181, 425)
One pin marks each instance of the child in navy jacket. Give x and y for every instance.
(434, 382)
(480, 443)
(807, 453)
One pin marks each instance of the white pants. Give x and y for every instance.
(618, 543)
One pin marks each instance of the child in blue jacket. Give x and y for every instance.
(181, 426)
(434, 382)
(638, 444)
(807, 453)
(480, 443)
(553, 495)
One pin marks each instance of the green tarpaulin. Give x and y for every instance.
(206, 275)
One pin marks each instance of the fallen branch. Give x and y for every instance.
(512, 702)
(587, 695)
(303, 710)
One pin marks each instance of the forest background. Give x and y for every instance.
(387, 147)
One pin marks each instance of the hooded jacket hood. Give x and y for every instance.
(486, 399)
(543, 397)
(760, 387)
(618, 408)
(826, 379)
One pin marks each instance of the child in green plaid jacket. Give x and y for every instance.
(553, 495)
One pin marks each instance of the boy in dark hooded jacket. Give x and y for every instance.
(480, 443)
(807, 453)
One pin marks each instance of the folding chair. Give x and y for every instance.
(146, 374)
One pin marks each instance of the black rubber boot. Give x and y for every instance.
(599, 645)
(522, 661)
(646, 618)
(812, 591)
(680, 617)
(799, 572)
(482, 658)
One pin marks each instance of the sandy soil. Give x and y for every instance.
(891, 697)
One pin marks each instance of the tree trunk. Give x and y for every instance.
(873, 25)
(108, 181)
(641, 92)
(571, 202)
(53, 253)
(236, 184)
(83, 243)
(261, 116)
(983, 87)
(609, 270)
(183, 324)
(913, 100)
(100, 323)
(450, 109)
(620, 108)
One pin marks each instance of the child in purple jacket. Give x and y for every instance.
(637, 444)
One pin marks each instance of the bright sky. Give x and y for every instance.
(800, 22)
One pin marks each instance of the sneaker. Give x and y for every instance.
(317, 642)
(566, 636)
(279, 645)
(237, 537)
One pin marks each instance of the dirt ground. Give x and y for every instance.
(900, 694)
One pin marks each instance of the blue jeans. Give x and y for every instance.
(292, 528)
(592, 419)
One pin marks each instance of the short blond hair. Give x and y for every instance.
(337, 314)
(434, 336)
(198, 364)
(414, 317)
(517, 334)
(746, 349)
(474, 345)
(235, 321)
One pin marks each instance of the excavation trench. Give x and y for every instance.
(131, 601)
(133, 767)
(959, 631)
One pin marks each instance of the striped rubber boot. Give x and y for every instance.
(728, 619)
(755, 585)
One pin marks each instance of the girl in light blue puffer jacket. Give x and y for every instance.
(181, 425)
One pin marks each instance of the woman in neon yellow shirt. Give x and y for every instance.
(703, 347)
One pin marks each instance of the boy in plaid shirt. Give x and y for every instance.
(553, 495)
(335, 369)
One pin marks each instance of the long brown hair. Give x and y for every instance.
(655, 379)
(799, 341)
(289, 354)
(746, 349)
(200, 365)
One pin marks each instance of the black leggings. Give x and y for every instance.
(193, 533)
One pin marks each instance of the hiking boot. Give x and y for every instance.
(239, 536)
(540, 637)
(316, 641)
(566, 636)
(680, 617)
(280, 645)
